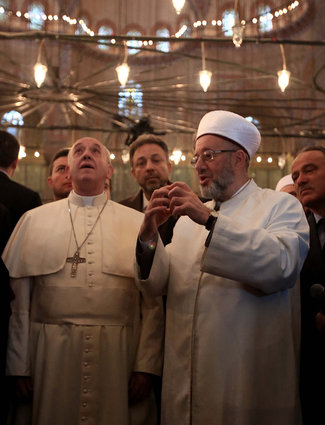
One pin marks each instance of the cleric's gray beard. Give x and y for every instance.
(218, 188)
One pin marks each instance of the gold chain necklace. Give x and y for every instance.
(76, 259)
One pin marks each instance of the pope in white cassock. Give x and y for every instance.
(230, 274)
(80, 329)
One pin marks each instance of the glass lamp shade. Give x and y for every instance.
(237, 37)
(178, 5)
(176, 156)
(283, 79)
(205, 79)
(40, 72)
(123, 73)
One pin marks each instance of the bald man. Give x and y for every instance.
(82, 342)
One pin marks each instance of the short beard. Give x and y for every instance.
(151, 187)
(219, 187)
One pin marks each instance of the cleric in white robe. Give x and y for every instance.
(79, 326)
(231, 278)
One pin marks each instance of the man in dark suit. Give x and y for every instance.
(308, 173)
(59, 180)
(4, 291)
(16, 197)
(16, 200)
(4, 311)
(151, 168)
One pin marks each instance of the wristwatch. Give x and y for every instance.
(212, 219)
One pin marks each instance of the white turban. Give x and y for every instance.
(232, 126)
(284, 181)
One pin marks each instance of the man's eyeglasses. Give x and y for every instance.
(208, 155)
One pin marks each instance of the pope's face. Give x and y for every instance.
(150, 168)
(308, 174)
(89, 166)
(59, 181)
(215, 176)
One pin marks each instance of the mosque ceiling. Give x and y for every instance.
(81, 90)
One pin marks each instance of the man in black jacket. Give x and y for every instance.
(16, 197)
(308, 173)
(151, 168)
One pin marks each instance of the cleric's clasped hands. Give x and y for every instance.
(176, 199)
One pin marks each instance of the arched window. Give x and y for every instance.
(228, 21)
(36, 13)
(4, 7)
(265, 18)
(104, 30)
(163, 46)
(130, 100)
(132, 44)
(12, 117)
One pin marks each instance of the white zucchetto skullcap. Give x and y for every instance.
(284, 181)
(232, 126)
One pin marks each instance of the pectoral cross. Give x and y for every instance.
(75, 260)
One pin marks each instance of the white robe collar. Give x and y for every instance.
(82, 201)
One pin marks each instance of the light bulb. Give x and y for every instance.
(178, 5)
(22, 152)
(40, 72)
(123, 73)
(205, 79)
(125, 156)
(176, 156)
(283, 79)
(281, 161)
(237, 37)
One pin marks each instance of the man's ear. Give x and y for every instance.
(169, 167)
(50, 182)
(239, 158)
(110, 171)
(10, 170)
(133, 173)
(14, 164)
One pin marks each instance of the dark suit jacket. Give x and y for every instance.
(165, 230)
(312, 343)
(17, 198)
(4, 294)
(5, 226)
